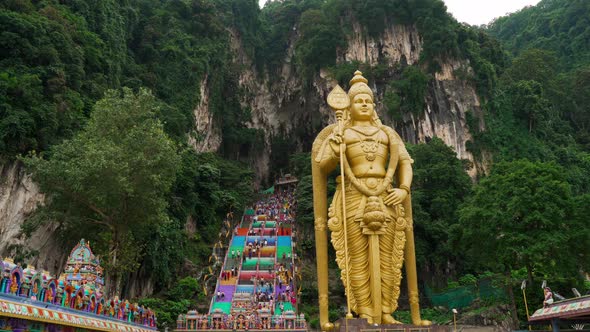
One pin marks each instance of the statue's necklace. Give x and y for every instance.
(368, 143)
(386, 183)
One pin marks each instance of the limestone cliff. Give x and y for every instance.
(19, 197)
(282, 105)
(207, 135)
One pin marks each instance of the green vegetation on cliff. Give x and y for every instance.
(60, 59)
(553, 25)
(550, 46)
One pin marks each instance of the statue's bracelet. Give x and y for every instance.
(404, 187)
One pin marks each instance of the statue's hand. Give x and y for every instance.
(395, 197)
(335, 140)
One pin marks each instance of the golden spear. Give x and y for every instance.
(339, 101)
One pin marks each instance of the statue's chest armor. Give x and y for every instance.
(367, 151)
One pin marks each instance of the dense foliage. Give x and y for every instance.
(529, 212)
(554, 25)
(58, 58)
(119, 168)
(550, 45)
(51, 74)
(440, 185)
(407, 95)
(183, 295)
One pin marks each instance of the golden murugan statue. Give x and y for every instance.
(370, 217)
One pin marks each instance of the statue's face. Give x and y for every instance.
(362, 107)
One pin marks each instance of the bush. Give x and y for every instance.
(468, 280)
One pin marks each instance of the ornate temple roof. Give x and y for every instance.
(83, 268)
(577, 309)
(82, 254)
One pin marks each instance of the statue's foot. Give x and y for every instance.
(421, 322)
(388, 319)
(369, 318)
(327, 327)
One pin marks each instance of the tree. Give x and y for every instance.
(181, 297)
(407, 95)
(320, 39)
(579, 83)
(524, 209)
(440, 185)
(534, 64)
(557, 26)
(521, 217)
(528, 102)
(111, 178)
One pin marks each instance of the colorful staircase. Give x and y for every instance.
(257, 273)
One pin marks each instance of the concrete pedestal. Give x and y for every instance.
(361, 325)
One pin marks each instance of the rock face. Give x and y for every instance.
(493, 319)
(284, 105)
(399, 43)
(445, 117)
(19, 197)
(207, 134)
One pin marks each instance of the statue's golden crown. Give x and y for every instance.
(358, 84)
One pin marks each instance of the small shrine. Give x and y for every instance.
(82, 280)
(83, 269)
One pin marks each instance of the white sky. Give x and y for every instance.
(477, 12)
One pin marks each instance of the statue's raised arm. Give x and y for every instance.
(370, 217)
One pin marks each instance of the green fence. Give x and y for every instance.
(463, 296)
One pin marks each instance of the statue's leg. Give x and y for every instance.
(359, 270)
(391, 246)
(412, 275)
(358, 249)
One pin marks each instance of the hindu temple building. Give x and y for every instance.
(34, 300)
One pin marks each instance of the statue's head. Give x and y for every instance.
(362, 106)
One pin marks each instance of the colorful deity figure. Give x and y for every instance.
(13, 284)
(49, 295)
(78, 302)
(137, 315)
(548, 298)
(69, 294)
(91, 305)
(121, 311)
(134, 308)
(126, 311)
(99, 308)
(151, 318)
(109, 309)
